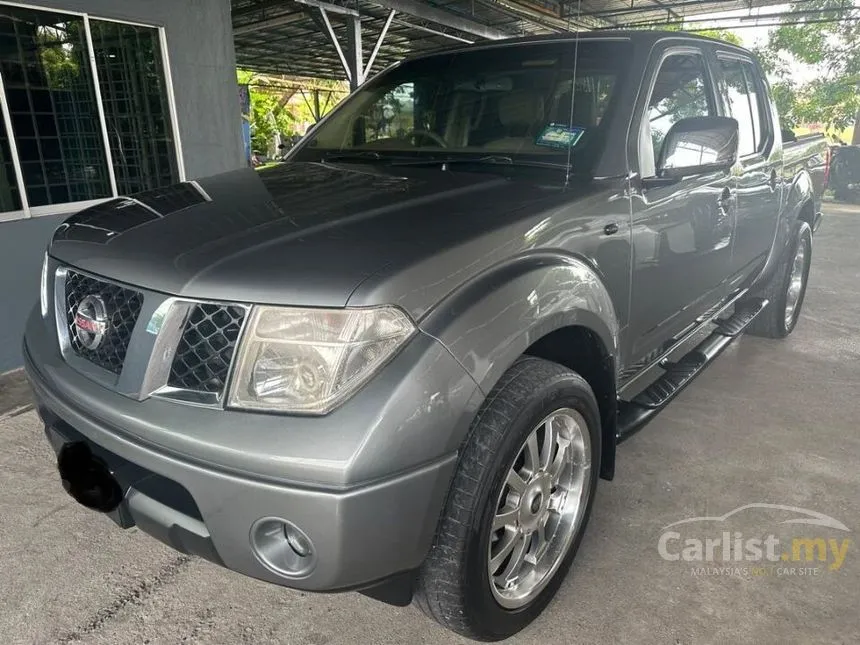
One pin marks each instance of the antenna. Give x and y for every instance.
(572, 89)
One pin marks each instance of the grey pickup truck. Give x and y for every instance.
(399, 362)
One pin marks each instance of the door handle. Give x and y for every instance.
(772, 181)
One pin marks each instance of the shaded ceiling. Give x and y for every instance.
(293, 36)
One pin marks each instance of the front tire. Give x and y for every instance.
(518, 506)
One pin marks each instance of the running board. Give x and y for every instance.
(743, 316)
(633, 415)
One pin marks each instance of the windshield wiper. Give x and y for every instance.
(489, 160)
(365, 155)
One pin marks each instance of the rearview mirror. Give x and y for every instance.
(699, 145)
(494, 84)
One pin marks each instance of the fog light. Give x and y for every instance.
(298, 542)
(282, 547)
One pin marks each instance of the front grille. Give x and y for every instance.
(122, 307)
(202, 361)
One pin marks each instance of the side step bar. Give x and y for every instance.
(634, 415)
(743, 316)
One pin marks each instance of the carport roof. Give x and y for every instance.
(292, 36)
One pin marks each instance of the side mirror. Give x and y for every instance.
(699, 145)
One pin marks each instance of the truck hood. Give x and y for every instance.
(301, 233)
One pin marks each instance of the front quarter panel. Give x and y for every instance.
(493, 320)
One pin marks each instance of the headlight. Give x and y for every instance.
(43, 288)
(311, 360)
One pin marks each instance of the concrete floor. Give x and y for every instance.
(771, 422)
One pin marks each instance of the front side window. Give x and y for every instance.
(681, 91)
(745, 104)
(515, 100)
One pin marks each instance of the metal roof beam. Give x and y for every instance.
(378, 44)
(327, 6)
(268, 24)
(444, 18)
(514, 9)
(329, 30)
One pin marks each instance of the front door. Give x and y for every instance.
(682, 232)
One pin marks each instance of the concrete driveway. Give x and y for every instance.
(771, 422)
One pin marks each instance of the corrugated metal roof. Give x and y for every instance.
(289, 37)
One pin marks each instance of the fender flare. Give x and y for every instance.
(798, 194)
(491, 320)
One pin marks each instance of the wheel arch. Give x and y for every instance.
(798, 205)
(548, 304)
(580, 349)
(807, 213)
(801, 199)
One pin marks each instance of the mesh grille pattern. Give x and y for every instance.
(123, 308)
(206, 348)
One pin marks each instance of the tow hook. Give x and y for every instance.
(86, 478)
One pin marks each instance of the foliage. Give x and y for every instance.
(827, 37)
(716, 34)
(283, 105)
(59, 57)
(721, 34)
(392, 115)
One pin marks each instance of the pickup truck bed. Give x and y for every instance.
(811, 153)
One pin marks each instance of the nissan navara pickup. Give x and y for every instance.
(399, 362)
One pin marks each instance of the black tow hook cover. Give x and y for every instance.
(86, 478)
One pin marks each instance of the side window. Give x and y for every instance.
(745, 104)
(757, 104)
(680, 91)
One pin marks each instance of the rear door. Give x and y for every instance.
(681, 231)
(759, 190)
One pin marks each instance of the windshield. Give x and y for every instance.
(502, 101)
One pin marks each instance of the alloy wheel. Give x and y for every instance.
(796, 283)
(540, 508)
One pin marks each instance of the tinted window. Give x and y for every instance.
(745, 104)
(509, 100)
(392, 116)
(681, 91)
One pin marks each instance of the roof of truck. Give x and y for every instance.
(642, 36)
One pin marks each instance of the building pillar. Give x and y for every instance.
(353, 52)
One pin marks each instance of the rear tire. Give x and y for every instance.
(787, 288)
(522, 428)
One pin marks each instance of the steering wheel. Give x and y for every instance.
(430, 135)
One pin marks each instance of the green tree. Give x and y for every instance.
(721, 34)
(826, 35)
(280, 104)
(268, 118)
(716, 34)
(59, 55)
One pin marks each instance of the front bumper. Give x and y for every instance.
(206, 503)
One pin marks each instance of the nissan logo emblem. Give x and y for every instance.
(91, 322)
